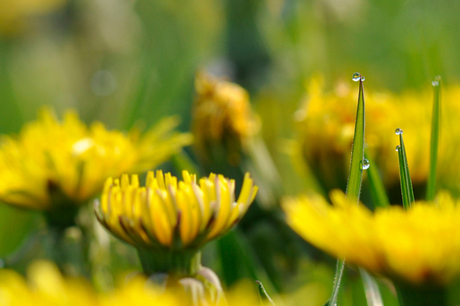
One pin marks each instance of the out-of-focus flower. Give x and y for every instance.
(419, 246)
(51, 164)
(45, 286)
(13, 13)
(326, 126)
(168, 214)
(222, 117)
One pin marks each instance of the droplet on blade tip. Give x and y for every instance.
(356, 76)
(398, 131)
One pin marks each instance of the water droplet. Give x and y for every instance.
(363, 78)
(356, 76)
(397, 148)
(365, 164)
(398, 131)
(435, 83)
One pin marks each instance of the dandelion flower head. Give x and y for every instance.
(221, 114)
(172, 214)
(417, 246)
(51, 162)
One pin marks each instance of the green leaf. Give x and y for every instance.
(434, 143)
(407, 190)
(377, 189)
(355, 178)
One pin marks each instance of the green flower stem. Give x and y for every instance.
(186, 262)
(67, 243)
(67, 247)
(422, 296)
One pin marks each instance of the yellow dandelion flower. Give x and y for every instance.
(172, 214)
(221, 116)
(45, 286)
(326, 126)
(53, 164)
(418, 246)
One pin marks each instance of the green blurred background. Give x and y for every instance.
(122, 61)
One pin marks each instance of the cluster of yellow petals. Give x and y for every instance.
(326, 126)
(45, 286)
(420, 245)
(171, 214)
(73, 159)
(222, 109)
(13, 13)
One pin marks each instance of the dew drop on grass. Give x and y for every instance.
(397, 148)
(365, 164)
(398, 131)
(356, 76)
(435, 83)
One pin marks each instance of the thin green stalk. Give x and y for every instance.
(264, 295)
(371, 289)
(356, 175)
(434, 143)
(377, 189)
(407, 190)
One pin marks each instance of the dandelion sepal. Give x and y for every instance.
(421, 296)
(178, 263)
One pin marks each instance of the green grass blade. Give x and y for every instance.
(371, 289)
(355, 177)
(435, 123)
(337, 280)
(357, 152)
(407, 190)
(264, 295)
(377, 189)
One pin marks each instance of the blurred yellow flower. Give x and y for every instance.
(170, 214)
(326, 126)
(221, 116)
(45, 286)
(52, 163)
(14, 12)
(417, 246)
